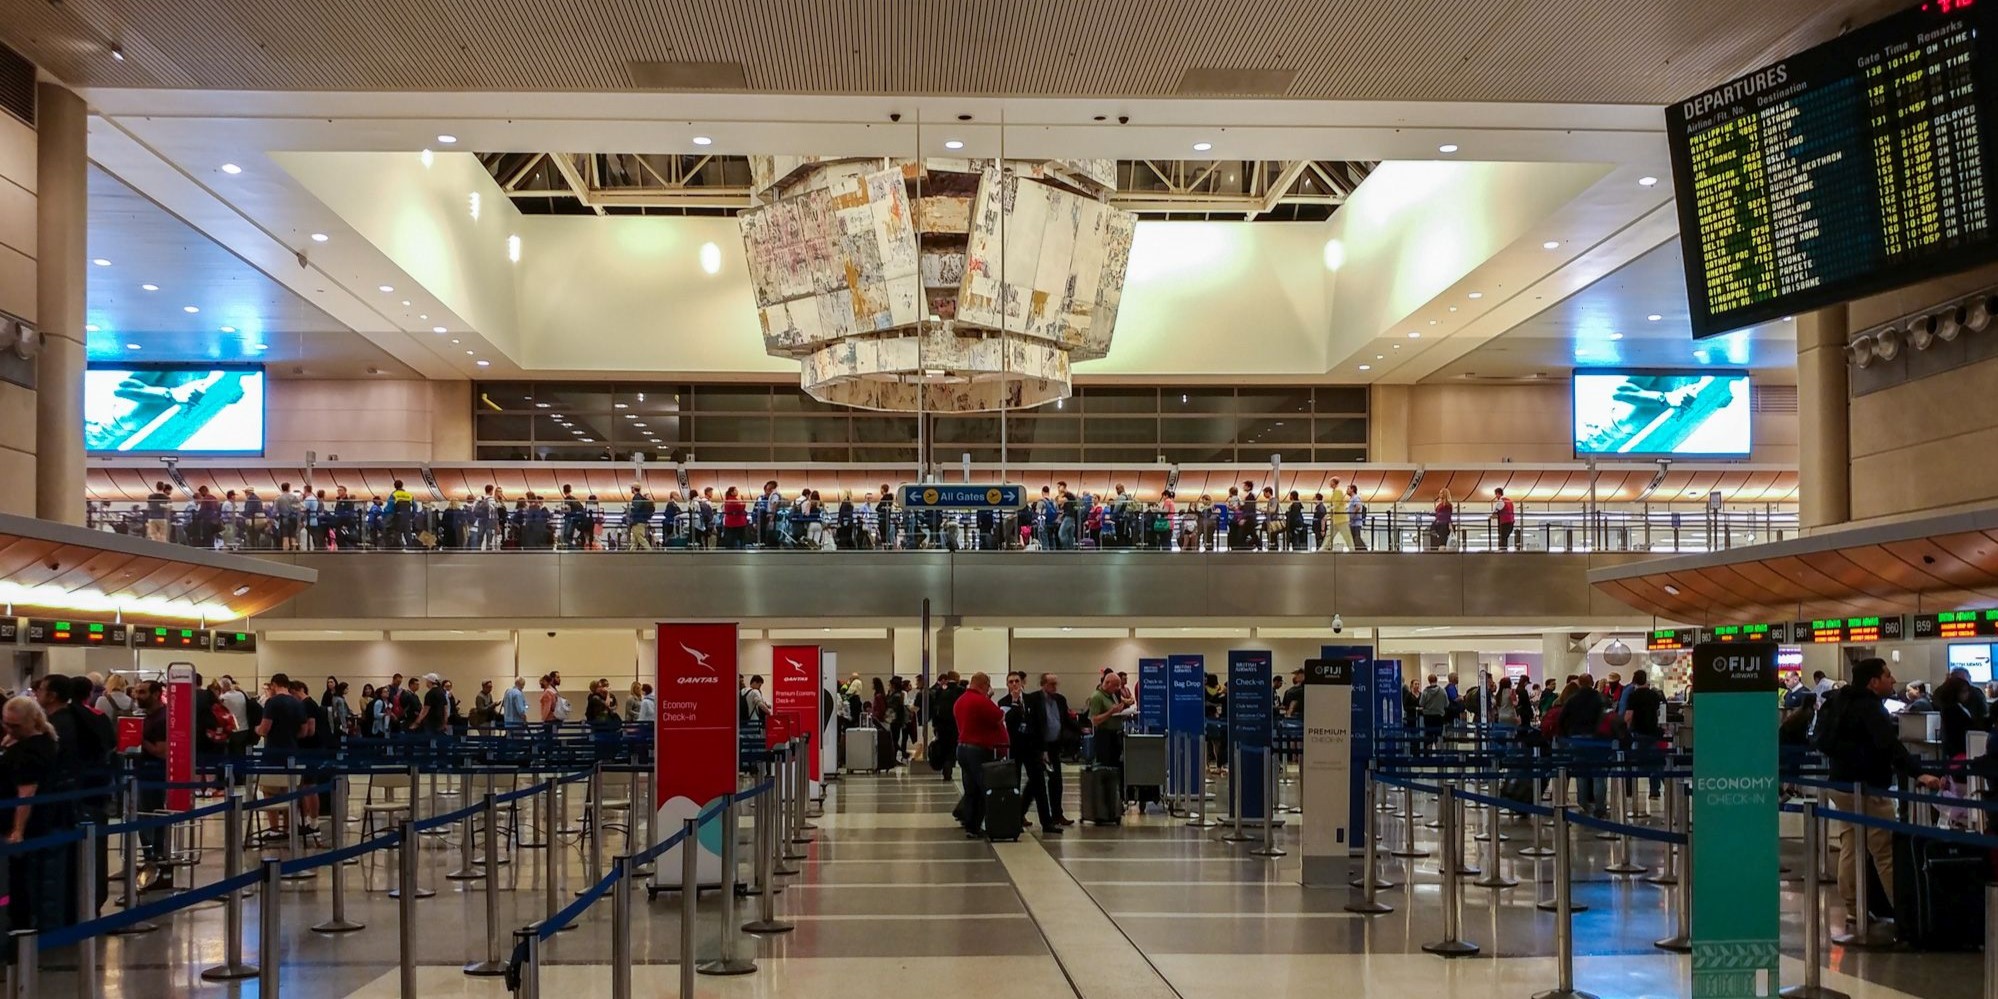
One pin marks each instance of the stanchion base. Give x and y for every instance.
(1452, 948)
(1240, 838)
(1662, 879)
(1268, 851)
(339, 926)
(770, 928)
(1369, 908)
(1536, 852)
(1202, 822)
(1467, 871)
(464, 875)
(229, 973)
(788, 855)
(738, 966)
(1408, 853)
(420, 893)
(1381, 885)
(1812, 992)
(1564, 994)
(1866, 938)
(134, 929)
(1677, 945)
(784, 872)
(1550, 905)
(1482, 838)
(486, 969)
(299, 876)
(1625, 869)
(1495, 882)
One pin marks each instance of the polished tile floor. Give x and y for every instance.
(891, 896)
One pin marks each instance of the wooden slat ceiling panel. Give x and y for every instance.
(1487, 50)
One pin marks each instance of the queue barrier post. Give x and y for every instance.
(594, 867)
(1681, 940)
(270, 927)
(87, 971)
(1235, 797)
(130, 861)
(468, 867)
(232, 967)
(729, 963)
(1461, 823)
(690, 889)
(26, 968)
(1668, 873)
(1991, 942)
(765, 820)
(1814, 922)
(1197, 811)
(530, 966)
(551, 880)
(1621, 861)
(794, 807)
(621, 929)
(1408, 817)
(1495, 876)
(1269, 847)
(406, 872)
(1370, 880)
(339, 923)
(294, 818)
(1552, 903)
(1564, 913)
(1453, 943)
(801, 775)
(494, 964)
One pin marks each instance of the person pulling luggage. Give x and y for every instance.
(981, 739)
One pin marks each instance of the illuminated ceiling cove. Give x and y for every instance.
(60, 569)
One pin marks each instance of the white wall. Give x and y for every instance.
(17, 296)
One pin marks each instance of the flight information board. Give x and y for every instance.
(1857, 166)
(1872, 628)
(1671, 639)
(1765, 631)
(1957, 624)
(174, 638)
(235, 641)
(58, 632)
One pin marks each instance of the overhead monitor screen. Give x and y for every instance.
(1662, 413)
(1848, 169)
(1974, 658)
(173, 409)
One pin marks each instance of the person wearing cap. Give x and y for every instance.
(436, 711)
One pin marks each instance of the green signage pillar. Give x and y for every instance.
(1735, 801)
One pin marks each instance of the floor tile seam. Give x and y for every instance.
(1097, 904)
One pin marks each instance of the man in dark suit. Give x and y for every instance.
(1042, 721)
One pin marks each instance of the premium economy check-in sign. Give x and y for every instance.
(1735, 801)
(795, 696)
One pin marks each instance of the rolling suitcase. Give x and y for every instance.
(884, 750)
(1002, 773)
(1102, 796)
(1005, 809)
(859, 747)
(1939, 893)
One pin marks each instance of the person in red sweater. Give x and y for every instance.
(981, 739)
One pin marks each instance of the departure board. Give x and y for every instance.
(174, 638)
(1872, 628)
(1861, 165)
(1957, 624)
(1671, 639)
(1767, 631)
(56, 632)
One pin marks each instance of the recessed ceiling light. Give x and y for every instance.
(1616, 336)
(90, 328)
(231, 169)
(117, 53)
(150, 287)
(228, 329)
(1414, 336)
(385, 289)
(1646, 181)
(424, 315)
(513, 248)
(1366, 367)
(319, 237)
(1789, 319)
(1453, 308)
(702, 140)
(405, 301)
(101, 262)
(1477, 294)
(427, 158)
(1552, 244)
(190, 309)
(456, 340)
(1432, 322)
(954, 144)
(1380, 357)
(1654, 317)
(484, 364)
(1448, 147)
(620, 405)
(1201, 147)
(471, 352)
(540, 405)
(1395, 346)
(445, 140)
(131, 346)
(437, 329)
(1673, 590)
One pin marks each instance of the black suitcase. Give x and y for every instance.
(1102, 795)
(1002, 774)
(885, 758)
(1939, 893)
(1005, 813)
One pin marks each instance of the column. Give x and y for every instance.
(1824, 452)
(1557, 660)
(983, 649)
(60, 227)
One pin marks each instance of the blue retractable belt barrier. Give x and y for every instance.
(79, 932)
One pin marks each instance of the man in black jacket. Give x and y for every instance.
(1580, 718)
(1865, 747)
(943, 723)
(1043, 721)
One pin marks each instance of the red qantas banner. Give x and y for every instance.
(180, 735)
(696, 734)
(794, 695)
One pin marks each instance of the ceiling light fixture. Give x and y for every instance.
(540, 405)
(1477, 294)
(484, 364)
(1414, 336)
(456, 340)
(101, 262)
(1448, 147)
(1646, 181)
(1654, 317)
(1201, 147)
(437, 329)
(131, 346)
(228, 329)
(1616, 336)
(1552, 244)
(711, 258)
(190, 309)
(702, 140)
(1366, 367)
(472, 201)
(954, 144)
(319, 237)
(428, 158)
(150, 287)
(90, 328)
(445, 140)
(385, 289)
(513, 248)
(231, 169)
(471, 352)
(117, 53)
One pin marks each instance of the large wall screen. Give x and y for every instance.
(1692, 414)
(1857, 166)
(173, 409)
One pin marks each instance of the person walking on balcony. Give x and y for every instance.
(1505, 515)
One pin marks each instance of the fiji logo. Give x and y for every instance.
(1737, 665)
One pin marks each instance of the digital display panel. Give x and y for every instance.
(1671, 639)
(1766, 631)
(59, 632)
(1662, 413)
(173, 409)
(235, 641)
(10, 630)
(1872, 628)
(1974, 659)
(173, 638)
(1957, 624)
(1857, 166)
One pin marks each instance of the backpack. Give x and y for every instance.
(253, 712)
(221, 724)
(1831, 716)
